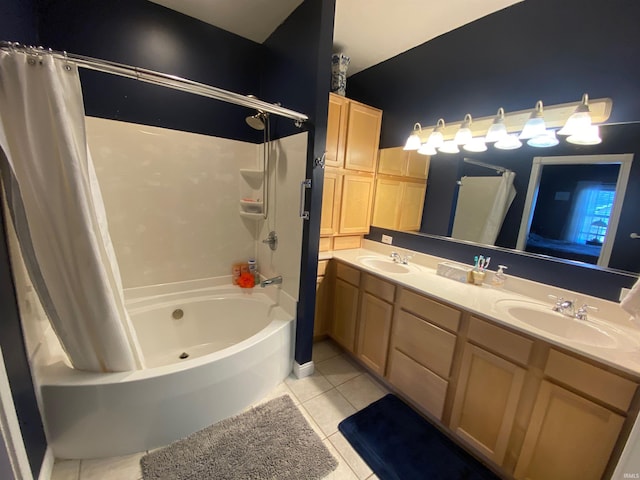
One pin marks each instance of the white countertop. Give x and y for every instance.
(486, 300)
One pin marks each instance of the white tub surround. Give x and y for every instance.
(486, 301)
(89, 415)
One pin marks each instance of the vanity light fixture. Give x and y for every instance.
(426, 149)
(464, 135)
(589, 136)
(535, 126)
(547, 139)
(414, 142)
(497, 131)
(476, 145)
(579, 121)
(510, 142)
(436, 139)
(450, 146)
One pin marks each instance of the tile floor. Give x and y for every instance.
(337, 389)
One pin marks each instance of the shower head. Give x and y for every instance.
(257, 121)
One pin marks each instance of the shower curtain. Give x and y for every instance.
(483, 203)
(56, 206)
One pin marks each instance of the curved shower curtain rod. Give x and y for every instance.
(158, 78)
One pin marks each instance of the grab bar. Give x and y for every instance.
(303, 186)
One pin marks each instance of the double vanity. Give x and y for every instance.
(534, 393)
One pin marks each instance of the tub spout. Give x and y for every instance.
(271, 281)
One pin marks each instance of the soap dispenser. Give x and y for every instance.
(499, 277)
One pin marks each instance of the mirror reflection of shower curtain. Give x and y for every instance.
(482, 205)
(57, 210)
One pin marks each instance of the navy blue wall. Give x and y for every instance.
(537, 49)
(18, 23)
(147, 35)
(299, 70)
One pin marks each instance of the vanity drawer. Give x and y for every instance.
(425, 343)
(348, 273)
(437, 313)
(601, 384)
(499, 340)
(420, 384)
(379, 288)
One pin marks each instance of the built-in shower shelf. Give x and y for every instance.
(250, 173)
(252, 216)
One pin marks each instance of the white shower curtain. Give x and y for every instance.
(57, 209)
(483, 203)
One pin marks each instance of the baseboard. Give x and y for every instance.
(46, 470)
(305, 370)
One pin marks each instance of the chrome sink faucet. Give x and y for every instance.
(568, 308)
(397, 258)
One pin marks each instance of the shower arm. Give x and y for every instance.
(158, 78)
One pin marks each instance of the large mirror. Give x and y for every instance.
(543, 192)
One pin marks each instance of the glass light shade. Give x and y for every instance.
(426, 149)
(464, 135)
(591, 136)
(435, 139)
(413, 142)
(476, 145)
(450, 146)
(548, 139)
(498, 130)
(510, 142)
(579, 121)
(535, 126)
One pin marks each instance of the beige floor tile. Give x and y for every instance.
(307, 416)
(324, 350)
(115, 468)
(353, 459)
(361, 391)
(281, 389)
(328, 410)
(342, 472)
(308, 387)
(66, 470)
(338, 369)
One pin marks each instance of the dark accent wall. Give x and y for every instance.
(298, 69)
(18, 24)
(147, 35)
(537, 49)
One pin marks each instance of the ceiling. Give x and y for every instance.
(369, 31)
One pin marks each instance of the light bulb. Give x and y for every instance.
(510, 142)
(590, 136)
(414, 142)
(497, 131)
(547, 139)
(464, 135)
(535, 126)
(450, 146)
(579, 121)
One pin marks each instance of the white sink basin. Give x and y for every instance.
(384, 265)
(541, 317)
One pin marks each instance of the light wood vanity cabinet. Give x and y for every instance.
(528, 407)
(374, 325)
(353, 134)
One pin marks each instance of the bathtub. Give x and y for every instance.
(210, 353)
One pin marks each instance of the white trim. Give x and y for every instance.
(46, 470)
(10, 428)
(624, 160)
(305, 370)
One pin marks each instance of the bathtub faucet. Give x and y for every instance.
(271, 281)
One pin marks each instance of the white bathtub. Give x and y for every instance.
(239, 345)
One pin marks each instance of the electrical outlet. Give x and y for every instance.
(388, 239)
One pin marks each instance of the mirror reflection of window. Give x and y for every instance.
(590, 212)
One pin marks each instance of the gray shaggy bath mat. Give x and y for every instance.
(270, 441)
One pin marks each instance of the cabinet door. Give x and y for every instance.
(330, 203)
(355, 208)
(374, 328)
(386, 205)
(363, 137)
(391, 161)
(569, 437)
(336, 130)
(485, 404)
(411, 206)
(345, 310)
(417, 165)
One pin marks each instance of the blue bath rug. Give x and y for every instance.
(398, 444)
